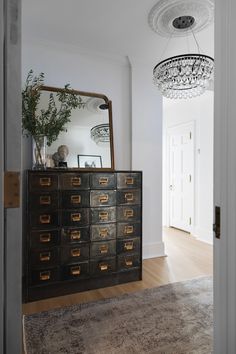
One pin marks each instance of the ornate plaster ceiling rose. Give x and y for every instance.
(163, 14)
(93, 104)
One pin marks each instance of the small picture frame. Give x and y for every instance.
(89, 161)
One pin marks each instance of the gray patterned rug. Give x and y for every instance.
(171, 319)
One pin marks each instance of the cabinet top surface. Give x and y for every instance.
(68, 170)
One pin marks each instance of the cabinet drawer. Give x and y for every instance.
(128, 197)
(128, 180)
(103, 215)
(43, 182)
(74, 181)
(130, 245)
(128, 261)
(102, 198)
(75, 199)
(102, 267)
(102, 181)
(73, 235)
(44, 219)
(75, 271)
(44, 238)
(77, 217)
(44, 276)
(128, 213)
(74, 253)
(44, 257)
(103, 232)
(125, 229)
(103, 249)
(43, 200)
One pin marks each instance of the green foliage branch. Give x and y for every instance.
(49, 121)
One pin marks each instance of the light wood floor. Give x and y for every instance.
(186, 258)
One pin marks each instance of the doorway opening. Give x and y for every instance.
(188, 168)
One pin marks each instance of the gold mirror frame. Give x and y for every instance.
(109, 103)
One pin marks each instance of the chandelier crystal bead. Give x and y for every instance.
(184, 76)
(101, 133)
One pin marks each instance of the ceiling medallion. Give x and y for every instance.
(101, 133)
(163, 14)
(96, 105)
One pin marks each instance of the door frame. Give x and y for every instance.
(191, 123)
(2, 312)
(10, 160)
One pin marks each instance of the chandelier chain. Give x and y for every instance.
(167, 44)
(197, 44)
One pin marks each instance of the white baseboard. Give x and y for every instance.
(203, 235)
(153, 250)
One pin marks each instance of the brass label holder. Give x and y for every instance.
(11, 189)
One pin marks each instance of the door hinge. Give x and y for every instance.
(216, 225)
(190, 221)
(11, 189)
(190, 178)
(190, 135)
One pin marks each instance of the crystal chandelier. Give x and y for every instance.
(101, 133)
(186, 75)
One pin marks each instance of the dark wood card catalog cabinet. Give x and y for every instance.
(84, 231)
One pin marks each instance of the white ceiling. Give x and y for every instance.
(114, 27)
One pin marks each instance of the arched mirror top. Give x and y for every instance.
(87, 143)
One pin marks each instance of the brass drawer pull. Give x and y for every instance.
(103, 198)
(44, 238)
(76, 217)
(45, 256)
(75, 270)
(76, 181)
(103, 232)
(45, 219)
(45, 200)
(103, 181)
(75, 235)
(128, 263)
(129, 180)
(45, 181)
(129, 197)
(129, 229)
(103, 215)
(103, 266)
(45, 275)
(75, 252)
(128, 213)
(103, 249)
(129, 246)
(75, 199)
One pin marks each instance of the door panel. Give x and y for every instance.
(181, 176)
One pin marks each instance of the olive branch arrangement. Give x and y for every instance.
(51, 120)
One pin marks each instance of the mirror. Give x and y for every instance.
(88, 141)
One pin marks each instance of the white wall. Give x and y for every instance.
(143, 109)
(199, 110)
(147, 154)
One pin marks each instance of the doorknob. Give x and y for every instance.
(171, 187)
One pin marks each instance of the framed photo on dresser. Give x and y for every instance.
(89, 161)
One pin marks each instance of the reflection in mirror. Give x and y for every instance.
(88, 141)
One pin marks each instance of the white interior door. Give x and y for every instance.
(181, 176)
